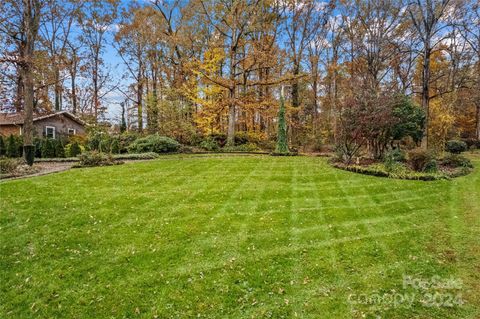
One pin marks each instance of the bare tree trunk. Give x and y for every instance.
(478, 121)
(74, 92)
(28, 102)
(295, 86)
(19, 91)
(58, 90)
(139, 98)
(426, 92)
(231, 118)
(231, 104)
(155, 111)
(335, 96)
(478, 99)
(315, 99)
(96, 102)
(31, 20)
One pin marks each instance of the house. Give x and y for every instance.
(53, 125)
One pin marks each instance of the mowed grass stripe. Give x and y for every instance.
(229, 237)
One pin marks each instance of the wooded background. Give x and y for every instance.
(216, 66)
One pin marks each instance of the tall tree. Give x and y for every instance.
(470, 30)
(21, 24)
(55, 33)
(96, 19)
(426, 16)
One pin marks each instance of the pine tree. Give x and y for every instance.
(12, 147)
(3, 149)
(282, 145)
(59, 150)
(48, 148)
(75, 150)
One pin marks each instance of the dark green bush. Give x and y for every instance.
(409, 118)
(3, 147)
(59, 148)
(431, 166)
(95, 158)
(241, 138)
(456, 146)
(38, 147)
(48, 148)
(154, 143)
(210, 145)
(456, 160)
(73, 149)
(418, 159)
(19, 140)
(219, 138)
(14, 146)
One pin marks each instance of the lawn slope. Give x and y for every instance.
(234, 237)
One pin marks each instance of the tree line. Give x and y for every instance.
(217, 66)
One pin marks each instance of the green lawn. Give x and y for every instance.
(236, 237)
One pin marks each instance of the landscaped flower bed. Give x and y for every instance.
(13, 167)
(417, 164)
(379, 169)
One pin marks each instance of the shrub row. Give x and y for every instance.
(154, 143)
(44, 147)
(95, 158)
(456, 160)
(11, 146)
(141, 156)
(381, 172)
(135, 143)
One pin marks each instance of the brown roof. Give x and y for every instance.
(11, 118)
(18, 118)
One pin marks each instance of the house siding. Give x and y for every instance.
(7, 130)
(61, 124)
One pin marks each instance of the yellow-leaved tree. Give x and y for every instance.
(208, 98)
(442, 100)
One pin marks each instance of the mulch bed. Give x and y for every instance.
(444, 172)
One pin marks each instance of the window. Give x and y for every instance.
(50, 131)
(71, 131)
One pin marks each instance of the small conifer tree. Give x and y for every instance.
(12, 147)
(3, 147)
(75, 150)
(282, 144)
